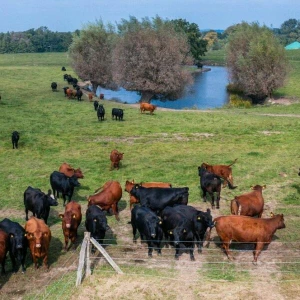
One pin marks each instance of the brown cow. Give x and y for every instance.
(247, 230)
(144, 106)
(108, 197)
(69, 93)
(71, 220)
(130, 184)
(70, 171)
(3, 249)
(249, 204)
(39, 236)
(223, 171)
(90, 95)
(115, 157)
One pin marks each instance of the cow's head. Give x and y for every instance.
(74, 181)
(68, 218)
(36, 238)
(51, 199)
(129, 185)
(78, 173)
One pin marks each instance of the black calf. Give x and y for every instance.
(15, 139)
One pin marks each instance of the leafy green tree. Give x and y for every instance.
(149, 57)
(197, 44)
(256, 60)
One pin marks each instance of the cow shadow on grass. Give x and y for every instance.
(297, 187)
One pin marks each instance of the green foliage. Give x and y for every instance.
(256, 60)
(237, 101)
(39, 40)
(197, 44)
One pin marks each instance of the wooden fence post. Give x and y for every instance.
(81, 259)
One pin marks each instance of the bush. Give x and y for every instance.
(237, 101)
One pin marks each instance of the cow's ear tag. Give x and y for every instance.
(160, 222)
(74, 216)
(198, 218)
(171, 232)
(95, 220)
(184, 230)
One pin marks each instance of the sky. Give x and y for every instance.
(69, 15)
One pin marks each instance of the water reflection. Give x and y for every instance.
(208, 91)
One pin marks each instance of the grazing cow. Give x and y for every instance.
(247, 230)
(148, 224)
(17, 243)
(71, 220)
(179, 230)
(3, 249)
(101, 96)
(79, 94)
(75, 80)
(249, 204)
(211, 184)
(15, 139)
(66, 77)
(108, 197)
(147, 107)
(96, 223)
(223, 171)
(39, 236)
(69, 79)
(90, 95)
(115, 157)
(118, 113)
(64, 184)
(100, 112)
(158, 198)
(96, 104)
(38, 202)
(202, 222)
(69, 93)
(70, 171)
(54, 86)
(63, 69)
(65, 90)
(130, 184)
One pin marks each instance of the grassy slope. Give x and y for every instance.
(167, 146)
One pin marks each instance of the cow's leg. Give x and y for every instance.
(212, 200)
(158, 248)
(115, 211)
(13, 262)
(226, 249)
(45, 261)
(258, 248)
(218, 200)
(26, 212)
(150, 249)
(134, 233)
(64, 198)
(176, 251)
(66, 242)
(204, 195)
(192, 252)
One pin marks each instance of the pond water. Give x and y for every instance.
(207, 91)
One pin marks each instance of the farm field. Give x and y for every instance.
(167, 146)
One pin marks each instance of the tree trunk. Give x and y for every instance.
(146, 96)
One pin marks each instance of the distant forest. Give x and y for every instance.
(44, 40)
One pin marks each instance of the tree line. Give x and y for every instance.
(35, 41)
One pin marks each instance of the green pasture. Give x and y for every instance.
(167, 146)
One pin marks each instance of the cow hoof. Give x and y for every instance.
(254, 263)
(193, 258)
(218, 207)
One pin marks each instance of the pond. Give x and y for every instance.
(207, 91)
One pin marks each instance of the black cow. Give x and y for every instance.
(75, 80)
(15, 139)
(38, 202)
(66, 77)
(96, 104)
(158, 198)
(61, 183)
(96, 223)
(65, 90)
(211, 184)
(118, 113)
(79, 94)
(148, 224)
(100, 112)
(17, 244)
(54, 86)
(179, 229)
(69, 79)
(202, 222)
(63, 69)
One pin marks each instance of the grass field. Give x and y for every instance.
(168, 146)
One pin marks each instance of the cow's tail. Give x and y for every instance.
(235, 207)
(233, 162)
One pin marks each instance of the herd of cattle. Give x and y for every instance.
(159, 211)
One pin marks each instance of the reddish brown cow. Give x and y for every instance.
(90, 95)
(147, 107)
(3, 249)
(247, 230)
(223, 171)
(130, 184)
(71, 220)
(39, 236)
(70, 171)
(108, 197)
(69, 93)
(115, 157)
(249, 204)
